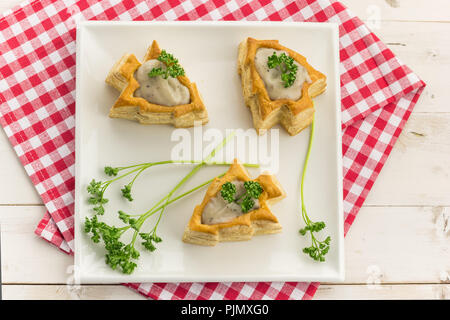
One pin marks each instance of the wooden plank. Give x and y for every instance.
(361, 292)
(400, 10)
(388, 244)
(418, 169)
(8, 4)
(16, 187)
(340, 292)
(63, 292)
(425, 48)
(25, 257)
(399, 245)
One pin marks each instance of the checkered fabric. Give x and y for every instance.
(37, 67)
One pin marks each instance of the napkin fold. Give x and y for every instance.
(37, 95)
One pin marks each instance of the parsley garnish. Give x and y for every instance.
(286, 65)
(118, 254)
(318, 249)
(172, 69)
(228, 191)
(252, 191)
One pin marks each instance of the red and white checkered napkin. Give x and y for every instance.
(37, 67)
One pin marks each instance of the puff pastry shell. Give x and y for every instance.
(294, 116)
(256, 222)
(127, 106)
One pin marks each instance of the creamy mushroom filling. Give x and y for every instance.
(272, 77)
(166, 92)
(217, 210)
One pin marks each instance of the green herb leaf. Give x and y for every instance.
(252, 191)
(172, 68)
(126, 192)
(110, 171)
(133, 224)
(124, 217)
(119, 255)
(286, 65)
(228, 191)
(94, 188)
(150, 240)
(247, 203)
(253, 188)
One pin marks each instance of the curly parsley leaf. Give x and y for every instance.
(110, 171)
(117, 253)
(120, 255)
(253, 188)
(247, 203)
(171, 69)
(286, 65)
(124, 217)
(126, 192)
(96, 189)
(313, 227)
(150, 239)
(252, 191)
(228, 191)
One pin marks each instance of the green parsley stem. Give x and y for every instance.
(185, 179)
(149, 164)
(136, 176)
(156, 208)
(318, 249)
(305, 166)
(192, 190)
(139, 168)
(119, 254)
(133, 240)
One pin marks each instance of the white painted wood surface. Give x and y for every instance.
(399, 245)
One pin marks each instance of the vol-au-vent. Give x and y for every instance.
(156, 91)
(278, 85)
(235, 208)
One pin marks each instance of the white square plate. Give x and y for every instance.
(208, 52)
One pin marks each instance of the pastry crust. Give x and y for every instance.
(127, 106)
(294, 116)
(256, 222)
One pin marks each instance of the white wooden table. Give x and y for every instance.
(399, 245)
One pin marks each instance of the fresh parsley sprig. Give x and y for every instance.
(286, 65)
(228, 191)
(97, 189)
(318, 249)
(118, 254)
(172, 69)
(252, 191)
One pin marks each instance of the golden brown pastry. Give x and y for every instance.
(209, 227)
(294, 112)
(131, 106)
